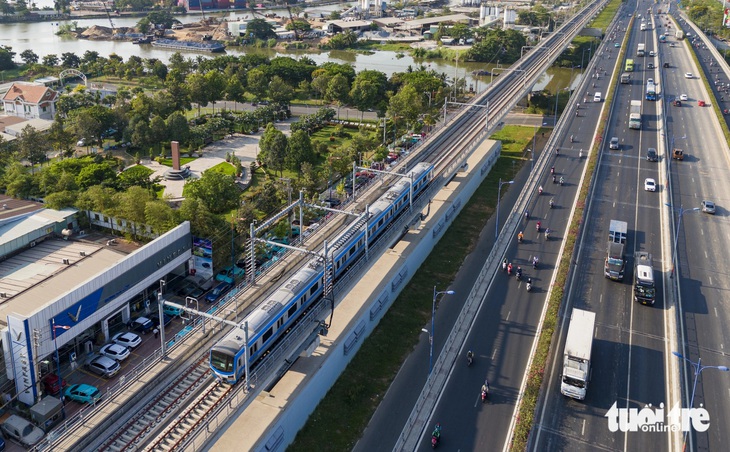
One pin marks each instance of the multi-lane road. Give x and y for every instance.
(633, 362)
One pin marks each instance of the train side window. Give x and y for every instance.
(292, 310)
(314, 288)
(267, 334)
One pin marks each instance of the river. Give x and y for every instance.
(41, 38)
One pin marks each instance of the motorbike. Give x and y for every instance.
(537, 227)
(547, 234)
(539, 190)
(435, 441)
(509, 269)
(562, 181)
(552, 203)
(518, 273)
(504, 265)
(552, 170)
(571, 138)
(485, 396)
(534, 262)
(469, 359)
(580, 154)
(520, 237)
(529, 284)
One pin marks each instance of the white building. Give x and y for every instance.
(30, 101)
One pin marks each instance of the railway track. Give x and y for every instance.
(169, 419)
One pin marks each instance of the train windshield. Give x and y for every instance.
(221, 361)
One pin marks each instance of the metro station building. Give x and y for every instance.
(67, 291)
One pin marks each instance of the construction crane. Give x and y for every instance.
(109, 16)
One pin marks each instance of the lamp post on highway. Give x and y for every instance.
(698, 368)
(499, 192)
(431, 333)
(571, 74)
(583, 55)
(676, 233)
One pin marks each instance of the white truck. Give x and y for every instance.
(641, 49)
(635, 115)
(679, 34)
(644, 290)
(577, 354)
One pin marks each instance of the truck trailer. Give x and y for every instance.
(615, 263)
(635, 115)
(679, 34)
(577, 354)
(641, 49)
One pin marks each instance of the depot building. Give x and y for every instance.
(65, 289)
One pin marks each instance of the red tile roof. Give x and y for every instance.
(29, 93)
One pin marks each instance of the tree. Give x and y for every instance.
(70, 60)
(160, 216)
(273, 146)
(216, 190)
(178, 128)
(257, 83)
(406, 104)
(29, 57)
(96, 174)
(60, 199)
(280, 91)
(260, 29)
(33, 145)
(60, 138)
(198, 89)
(6, 59)
(338, 91)
(364, 95)
(216, 86)
(202, 221)
(300, 151)
(50, 60)
(158, 131)
(137, 175)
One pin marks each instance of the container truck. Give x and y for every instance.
(615, 262)
(641, 49)
(577, 354)
(635, 115)
(644, 290)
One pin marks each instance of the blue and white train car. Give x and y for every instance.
(269, 321)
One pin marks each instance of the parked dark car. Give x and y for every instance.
(216, 293)
(51, 384)
(142, 325)
(156, 319)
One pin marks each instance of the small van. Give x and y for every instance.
(597, 97)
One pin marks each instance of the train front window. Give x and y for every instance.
(221, 361)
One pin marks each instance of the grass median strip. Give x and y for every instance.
(339, 420)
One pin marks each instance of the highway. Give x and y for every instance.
(702, 253)
(508, 319)
(632, 361)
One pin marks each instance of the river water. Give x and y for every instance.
(41, 38)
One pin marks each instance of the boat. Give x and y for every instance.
(144, 40)
(189, 45)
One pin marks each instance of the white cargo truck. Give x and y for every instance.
(641, 49)
(577, 355)
(635, 115)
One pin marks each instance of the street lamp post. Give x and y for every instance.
(431, 333)
(698, 368)
(676, 233)
(58, 360)
(571, 74)
(499, 192)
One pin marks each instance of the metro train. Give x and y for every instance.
(271, 320)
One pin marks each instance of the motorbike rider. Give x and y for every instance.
(504, 264)
(537, 226)
(580, 154)
(547, 233)
(437, 431)
(539, 189)
(509, 268)
(552, 169)
(529, 284)
(470, 356)
(535, 261)
(520, 237)
(518, 273)
(571, 138)
(552, 203)
(562, 180)
(553, 178)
